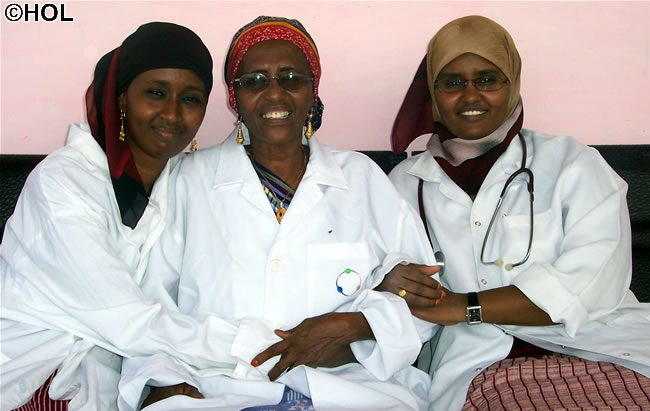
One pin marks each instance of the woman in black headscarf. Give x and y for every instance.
(75, 250)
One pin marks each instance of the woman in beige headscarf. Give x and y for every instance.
(536, 287)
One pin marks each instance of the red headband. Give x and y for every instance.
(272, 30)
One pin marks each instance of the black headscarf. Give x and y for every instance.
(152, 46)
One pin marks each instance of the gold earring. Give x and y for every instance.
(309, 132)
(240, 134)
(122, 117)
(195, 145)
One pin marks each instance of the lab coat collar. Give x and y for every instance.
(509, 161)
(427, 168)
(323, 168)
(80, 138)
(234, 166)
(233, 163)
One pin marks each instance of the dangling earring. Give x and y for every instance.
(195, 145)
(240, 134)
(309, 132)
(122, 117)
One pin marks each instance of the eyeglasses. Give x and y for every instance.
(256, 82)
(485, 83)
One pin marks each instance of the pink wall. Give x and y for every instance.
(585, 64)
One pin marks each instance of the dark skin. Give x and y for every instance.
(274, 118)
(469, 114)
(322, 341)
(164, 110)
(504, 305)
(160, 393)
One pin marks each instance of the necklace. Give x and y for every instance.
(282, 209)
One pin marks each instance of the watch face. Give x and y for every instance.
(474, 315)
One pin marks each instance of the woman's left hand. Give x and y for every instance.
(413, 282)
(322, 341)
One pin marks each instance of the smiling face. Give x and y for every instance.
(471, 114)
(164, 110)
(274, 115)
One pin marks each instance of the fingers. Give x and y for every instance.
(414, 292)
(421, 274)
(279, 368)
(283, 334)
(192, 391)
(276, 349)
(429, 270)
(413, 299)
(161, 393)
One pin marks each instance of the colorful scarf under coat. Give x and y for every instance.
(272, 184)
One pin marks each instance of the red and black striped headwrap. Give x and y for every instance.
(270, 28)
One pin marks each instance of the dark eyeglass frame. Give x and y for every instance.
(284, 81)
(475, 82)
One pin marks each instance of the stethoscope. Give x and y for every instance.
(440, 258)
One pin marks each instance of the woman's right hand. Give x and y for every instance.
(413, 282)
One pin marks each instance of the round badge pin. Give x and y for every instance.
(348, 282)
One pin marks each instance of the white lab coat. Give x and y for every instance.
(578, 272)
(225, 254)
(70, 273)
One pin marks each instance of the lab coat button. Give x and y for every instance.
(626, 354)
(483, 281)
(275, 265)
(477, 223)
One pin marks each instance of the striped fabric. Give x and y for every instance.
(271, 182)
(41, 400)
(291, 401)
(557, 382)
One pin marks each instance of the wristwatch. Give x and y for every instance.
(473, 314)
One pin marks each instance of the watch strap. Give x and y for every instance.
(472, 299)
(474, 313)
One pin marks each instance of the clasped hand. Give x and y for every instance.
(322, 341)
(426, 297)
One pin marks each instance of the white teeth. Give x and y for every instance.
(471, 113)
(276, 114)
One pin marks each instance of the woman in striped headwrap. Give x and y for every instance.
(286, 238)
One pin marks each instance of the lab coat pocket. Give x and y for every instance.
(513, 236)
(336, 274)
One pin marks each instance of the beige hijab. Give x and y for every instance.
(481, 36)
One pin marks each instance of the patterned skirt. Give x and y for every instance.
(41, 400)
(557, 382)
